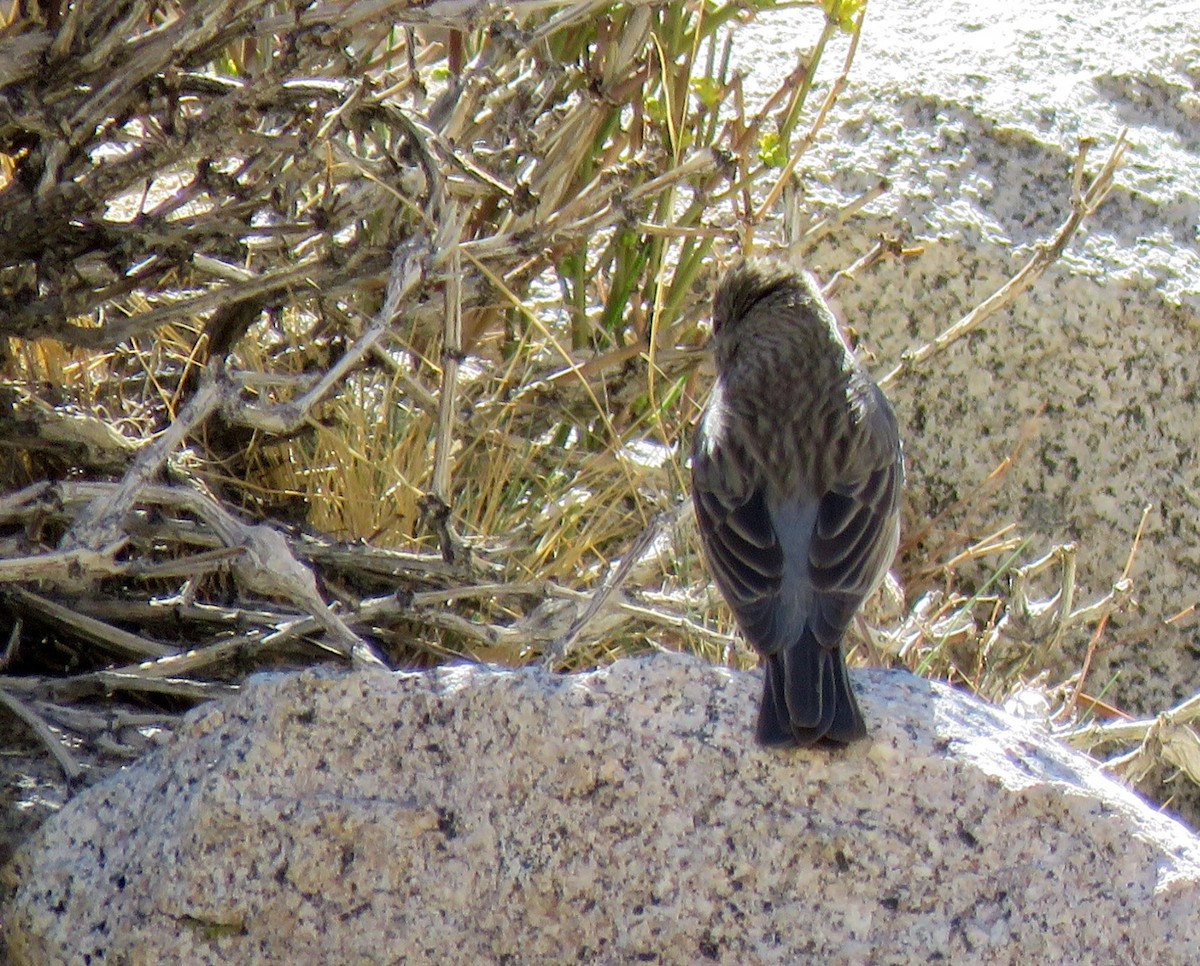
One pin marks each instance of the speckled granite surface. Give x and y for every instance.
(974, 112)
(469, 815)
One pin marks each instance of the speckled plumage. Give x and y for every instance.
(796, 478)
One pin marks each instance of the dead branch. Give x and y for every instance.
(1083, 204)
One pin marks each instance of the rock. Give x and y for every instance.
(974, 113)
(470, 815)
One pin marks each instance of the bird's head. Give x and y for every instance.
(753, 282)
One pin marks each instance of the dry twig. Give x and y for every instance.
(1046, 254)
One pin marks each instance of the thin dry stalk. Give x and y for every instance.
(1045, 255)
(71, 768)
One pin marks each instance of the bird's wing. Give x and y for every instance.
(739, 539)
(798, 564)
(857, 528)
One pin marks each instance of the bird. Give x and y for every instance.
(797, 472)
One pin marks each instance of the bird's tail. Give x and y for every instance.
(807, 698)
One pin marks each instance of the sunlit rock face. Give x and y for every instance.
(472, 815)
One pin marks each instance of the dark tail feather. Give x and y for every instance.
(848, 724)
(807, 698)
(774, 728)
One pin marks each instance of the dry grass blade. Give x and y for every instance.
(561, 646)
(71, 768)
